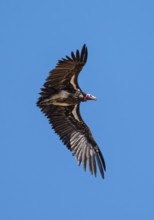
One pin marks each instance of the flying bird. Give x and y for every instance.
(60, 100)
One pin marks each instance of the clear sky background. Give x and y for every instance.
(39, 178)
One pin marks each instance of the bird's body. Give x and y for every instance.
(60, 101)
(64, 98)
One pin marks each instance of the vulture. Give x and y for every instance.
(60, 100)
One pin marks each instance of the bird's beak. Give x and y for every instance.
(92, 98)
(89, 97)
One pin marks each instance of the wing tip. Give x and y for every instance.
(95, 161)
(76, 56)
(84, 53)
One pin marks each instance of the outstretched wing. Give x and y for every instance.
(67, 70)
(75, 134)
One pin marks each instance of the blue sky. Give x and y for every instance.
(39, 177)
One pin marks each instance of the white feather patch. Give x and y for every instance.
(74, 112)
(73, 81)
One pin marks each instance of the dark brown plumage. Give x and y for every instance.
(60, 101)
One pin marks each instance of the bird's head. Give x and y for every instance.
(88, 97)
